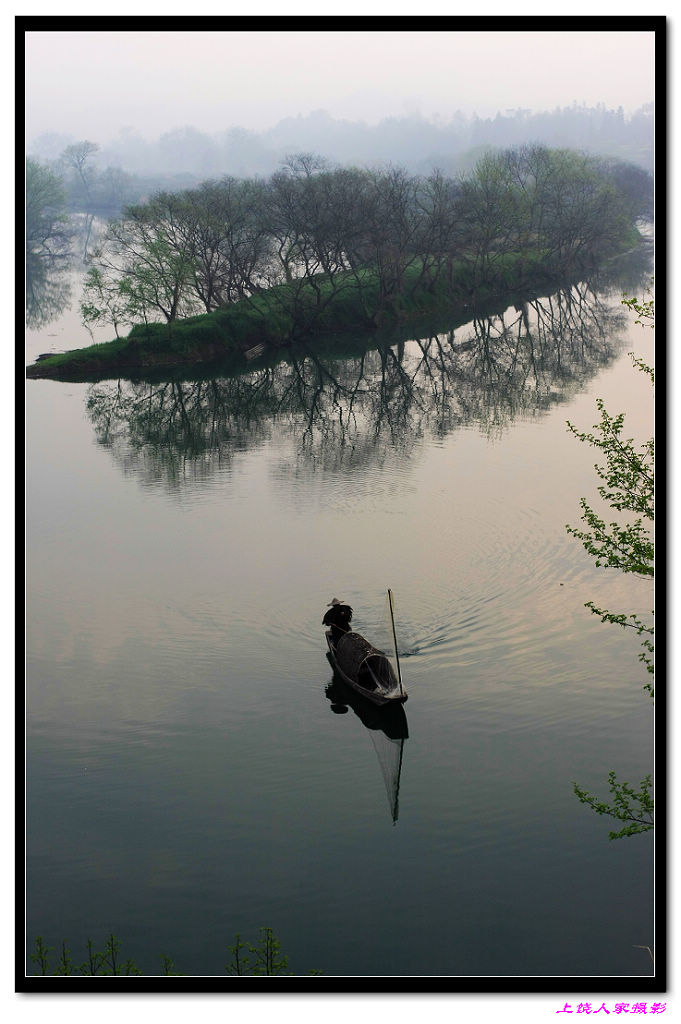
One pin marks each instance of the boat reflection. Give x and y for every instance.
(388, 730)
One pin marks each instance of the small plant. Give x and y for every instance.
(267, 956)
(65, 961)
(106, 962)
(110, 959)
(93, 963)
(168, 967)
(40, 957)
(263, 959)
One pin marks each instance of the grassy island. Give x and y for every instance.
(236, 270)
(281, 316)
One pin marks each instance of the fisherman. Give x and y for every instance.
(338, 618)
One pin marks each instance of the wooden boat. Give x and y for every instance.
(366, 669)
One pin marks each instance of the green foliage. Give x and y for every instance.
(628, 486)
(101, 355)
(107, 300)
(105, 962)
(628, 805)
(645, 311)
(268, 317)
(48, 233)
(315, 249)
(149, 332)
(168, 966)
(265, 958)
(110, 961)
(65, 965)
(643, 629)
(41, 955)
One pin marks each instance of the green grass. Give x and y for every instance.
(103, 352)
(301, 310)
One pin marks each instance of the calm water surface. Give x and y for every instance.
(190, 772)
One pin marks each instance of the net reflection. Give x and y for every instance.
(388, 731)
(346, 414)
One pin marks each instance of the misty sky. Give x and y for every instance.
(93, 84)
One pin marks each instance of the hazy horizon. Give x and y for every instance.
(96, 84)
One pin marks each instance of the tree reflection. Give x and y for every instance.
(50, 273)
(354, 413)
(48, 289)
(175, 431)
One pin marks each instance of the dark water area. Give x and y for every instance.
(193, 770)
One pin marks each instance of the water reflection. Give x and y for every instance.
(50, 274)
(177, 432)
(388, 731)
(48, 289)
(346, 414)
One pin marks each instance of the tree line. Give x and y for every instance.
(376, 237)
(412, 141)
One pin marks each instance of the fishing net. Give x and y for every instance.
(362, 661)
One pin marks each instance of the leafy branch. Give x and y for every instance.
(628, 485)
(645, 309)
(627, 805)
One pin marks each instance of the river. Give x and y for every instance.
(191, 771)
